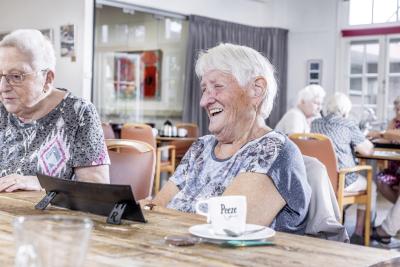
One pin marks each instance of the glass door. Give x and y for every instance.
(373, 78)
(392, 75)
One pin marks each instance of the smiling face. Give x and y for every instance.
(227, 104)
(19, 98)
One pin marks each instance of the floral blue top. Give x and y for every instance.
(201, 175)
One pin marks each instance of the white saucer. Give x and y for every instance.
(205, 231)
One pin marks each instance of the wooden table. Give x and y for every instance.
(383, 154)
(137, 244)
(174, 138)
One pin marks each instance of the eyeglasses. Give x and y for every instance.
(17, 78)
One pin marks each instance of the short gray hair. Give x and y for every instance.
(339, 104)
(33, 44)
(244, 63)
(310, 92)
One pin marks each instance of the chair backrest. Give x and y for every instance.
(133, 165)
(319, 146)
(193, 129)
(141, 132)
(107, 131)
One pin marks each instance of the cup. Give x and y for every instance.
(46, 241)
(182, 132)
(225, 212)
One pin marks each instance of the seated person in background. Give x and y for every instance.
(389, 179)
(242, 156)
(392, 133)
(346, 136)
(43, 129)
(298, 119)
(390, 225)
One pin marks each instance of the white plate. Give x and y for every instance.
(205, 231)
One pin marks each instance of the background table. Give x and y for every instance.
(174, 138)
(381, 155)
(138, 244)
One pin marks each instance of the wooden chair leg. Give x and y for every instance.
(340, 196)
(157, 180)
(158, 172)
(367, 225)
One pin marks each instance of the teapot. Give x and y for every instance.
(167, 129)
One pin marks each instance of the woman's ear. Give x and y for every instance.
(49, 77)
(259, 87)
(48, 81)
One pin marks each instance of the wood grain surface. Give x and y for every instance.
(138, 244)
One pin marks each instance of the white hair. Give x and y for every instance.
(310, 92)
(339, 104)
(245, 64)
(33, 44)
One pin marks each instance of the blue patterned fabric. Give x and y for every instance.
(201, 175)
(345, 136)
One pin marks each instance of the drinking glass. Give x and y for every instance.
(48, 241)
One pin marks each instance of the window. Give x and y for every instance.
(139, 64)
(393, 74)
(373, 11)
(363, 74)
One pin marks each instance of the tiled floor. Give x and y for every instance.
(383, 207)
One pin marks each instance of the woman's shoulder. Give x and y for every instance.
(77, 105)
(272, 138)
(204, 141)
(274, 145)
(76, 101)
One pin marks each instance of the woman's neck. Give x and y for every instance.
(48, 102)
(227, 148)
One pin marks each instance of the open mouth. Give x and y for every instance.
(215, 111)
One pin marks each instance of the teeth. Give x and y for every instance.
(213, 111)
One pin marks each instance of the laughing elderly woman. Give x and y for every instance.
(43, 129)
(242, 156)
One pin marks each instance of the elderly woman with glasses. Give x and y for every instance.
(43, 129)
(242, 155)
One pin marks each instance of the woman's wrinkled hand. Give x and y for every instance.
(15, 182)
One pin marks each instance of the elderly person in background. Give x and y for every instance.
(346, 137)
(298, 119)
(43, 129)
(388, 180)
(242, 156)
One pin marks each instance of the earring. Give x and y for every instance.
(44, 90)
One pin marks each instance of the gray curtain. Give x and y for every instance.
(205, 33)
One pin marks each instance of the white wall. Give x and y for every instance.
(312, 35)
(44, 14)
(250, 12)
(311, 24)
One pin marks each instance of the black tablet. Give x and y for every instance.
(115, 201)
